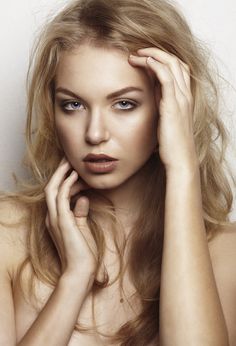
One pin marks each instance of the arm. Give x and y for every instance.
(71, 235)
(56, 321)
(223, 257)
(190, 308)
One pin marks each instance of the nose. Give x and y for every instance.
(96, 131)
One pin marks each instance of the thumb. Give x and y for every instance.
(81, 211)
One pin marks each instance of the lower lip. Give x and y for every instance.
(101, 167)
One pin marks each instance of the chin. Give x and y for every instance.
(104, 181)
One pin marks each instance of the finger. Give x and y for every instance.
(141, 62)
(66, 220)
(187, 76)
(58, 176)
(52, 187)
(51, 231)
(78, 186)
(63, 196)
(63, 160)
(162, 73)
(171, 60)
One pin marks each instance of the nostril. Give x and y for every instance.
(95, 137)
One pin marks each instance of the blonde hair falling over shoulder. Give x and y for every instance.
(126, 25)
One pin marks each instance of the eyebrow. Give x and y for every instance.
(110, 96)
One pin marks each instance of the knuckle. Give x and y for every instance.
(46, 189)
(175, 60)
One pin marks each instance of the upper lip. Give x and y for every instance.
(97, 157)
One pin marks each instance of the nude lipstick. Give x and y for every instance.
(100, 163)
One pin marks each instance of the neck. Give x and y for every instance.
(126, 199)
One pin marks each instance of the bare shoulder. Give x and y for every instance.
(13, 232)
(223, 255)
(14, 227)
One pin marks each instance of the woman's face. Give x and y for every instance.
(103, 105)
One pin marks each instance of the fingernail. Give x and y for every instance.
(132, 56)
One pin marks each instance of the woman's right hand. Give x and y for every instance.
(69, 229)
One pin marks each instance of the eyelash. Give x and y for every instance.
(63, 105)
(133, 105)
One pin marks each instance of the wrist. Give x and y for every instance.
(77, 280)
(188, 170)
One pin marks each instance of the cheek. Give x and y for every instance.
(68, 136)
(144, 136)
(140, 146)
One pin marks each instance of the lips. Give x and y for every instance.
(100, 163)
(98, 158)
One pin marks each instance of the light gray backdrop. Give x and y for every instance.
(213, 22)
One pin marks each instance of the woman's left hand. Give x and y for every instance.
(175, 103)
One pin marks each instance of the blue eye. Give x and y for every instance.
(125, 105)
(71, 105)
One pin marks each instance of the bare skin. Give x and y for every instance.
(94, 126)
(222, 251)
(28, 316)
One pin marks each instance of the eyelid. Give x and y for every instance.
(64, 103)
(131, 105)
(126, 100)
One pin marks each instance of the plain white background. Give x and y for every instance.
(213, 23)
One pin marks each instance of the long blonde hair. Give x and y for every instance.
(126, 25)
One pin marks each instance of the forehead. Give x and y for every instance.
(99, 66)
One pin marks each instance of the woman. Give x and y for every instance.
(122, 235)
